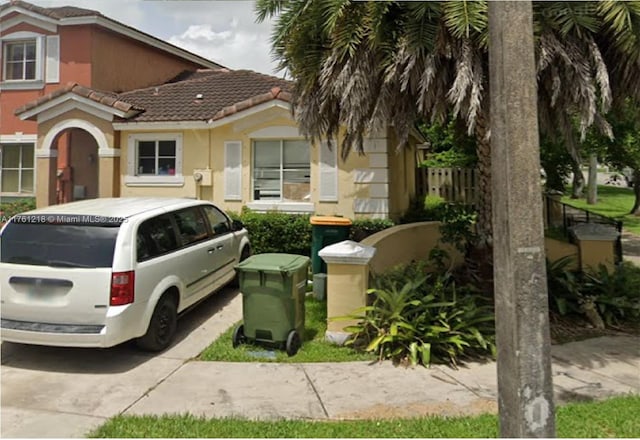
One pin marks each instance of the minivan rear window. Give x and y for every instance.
(81, 245)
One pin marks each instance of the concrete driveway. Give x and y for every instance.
(65, 392)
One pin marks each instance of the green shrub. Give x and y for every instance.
(8, 210)
(604, 298)
(362, 228)
(419, 318)
(458, 226)
(277, 232)
(431, 208)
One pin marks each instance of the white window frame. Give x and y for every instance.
(20, 169)
(278, 204)
(132, 179)
(38, 82)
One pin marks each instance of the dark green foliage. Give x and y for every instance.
(8, 210)
(449, 144)
(458, 227)
(277, 232)
(419, 318)
(556, 162)
(449, 159)
(362, 228)
(431, 208)
(613, 296)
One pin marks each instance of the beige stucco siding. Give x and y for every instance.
(206, 147)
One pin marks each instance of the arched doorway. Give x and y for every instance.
(74, 147)
(77, 170)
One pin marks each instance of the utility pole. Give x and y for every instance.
(525, 389)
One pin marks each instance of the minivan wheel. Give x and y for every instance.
(162, 327)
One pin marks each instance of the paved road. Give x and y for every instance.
(62, 392)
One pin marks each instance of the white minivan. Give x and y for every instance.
(100, 272)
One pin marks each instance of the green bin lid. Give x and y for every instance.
(275, 263)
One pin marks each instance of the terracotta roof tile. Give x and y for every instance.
(104, 98)
(59, 12)
(224, 92)
(213, 95)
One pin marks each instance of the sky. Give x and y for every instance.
(224, 31)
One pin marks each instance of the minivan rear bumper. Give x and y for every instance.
(120, 327)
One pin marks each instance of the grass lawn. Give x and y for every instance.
(616, 417)
(613, 201)
(314, 348)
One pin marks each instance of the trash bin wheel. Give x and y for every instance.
(293, 343)
(238, 336)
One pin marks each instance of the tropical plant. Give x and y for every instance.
(419, 318)
(362, 65)
(604, 297)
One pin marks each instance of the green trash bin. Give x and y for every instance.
(326, 230)
(273, 290)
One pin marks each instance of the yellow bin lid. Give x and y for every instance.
(328, 220)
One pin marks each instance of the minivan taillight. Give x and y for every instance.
(122, 288)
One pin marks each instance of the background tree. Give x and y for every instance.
(363, 65)
(624, 150)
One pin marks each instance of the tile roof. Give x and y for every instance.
(106, 98)
(223, 92)
(59, 12)
(211, 95)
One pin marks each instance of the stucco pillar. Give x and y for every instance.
(46, 167)
(525, 388)
(597, 245)
(109, 172)
(347, 284)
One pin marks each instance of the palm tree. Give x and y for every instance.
(362, 65)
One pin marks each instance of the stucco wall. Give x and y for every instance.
(556, 249)
(121, 64)
(202, 147)
(195, 154)
(405, 243)
(402, 164)
(74, 66)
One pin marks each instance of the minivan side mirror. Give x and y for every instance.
(236, 225)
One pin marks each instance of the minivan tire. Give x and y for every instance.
(162, 326)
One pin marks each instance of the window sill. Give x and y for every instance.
(276, 205)
(154, 180)
(22, 85)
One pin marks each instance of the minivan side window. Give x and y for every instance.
(192, 226)
(155, 237)
(218, 221)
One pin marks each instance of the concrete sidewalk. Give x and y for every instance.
(60, 392)
(582, 371)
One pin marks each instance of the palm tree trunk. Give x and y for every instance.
(578, 180)
(636, 190)
(483, 202)
(592, 185)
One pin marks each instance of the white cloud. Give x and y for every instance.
(236, 49)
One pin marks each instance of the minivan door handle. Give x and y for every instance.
(211, 251)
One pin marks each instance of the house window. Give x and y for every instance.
(20, 60)
(156, 158)
(16, 173)
(281, 170)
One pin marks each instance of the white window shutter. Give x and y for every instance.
(52, 65)
(233, 170)
(328, 173)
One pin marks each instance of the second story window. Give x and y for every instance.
(20, 60)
